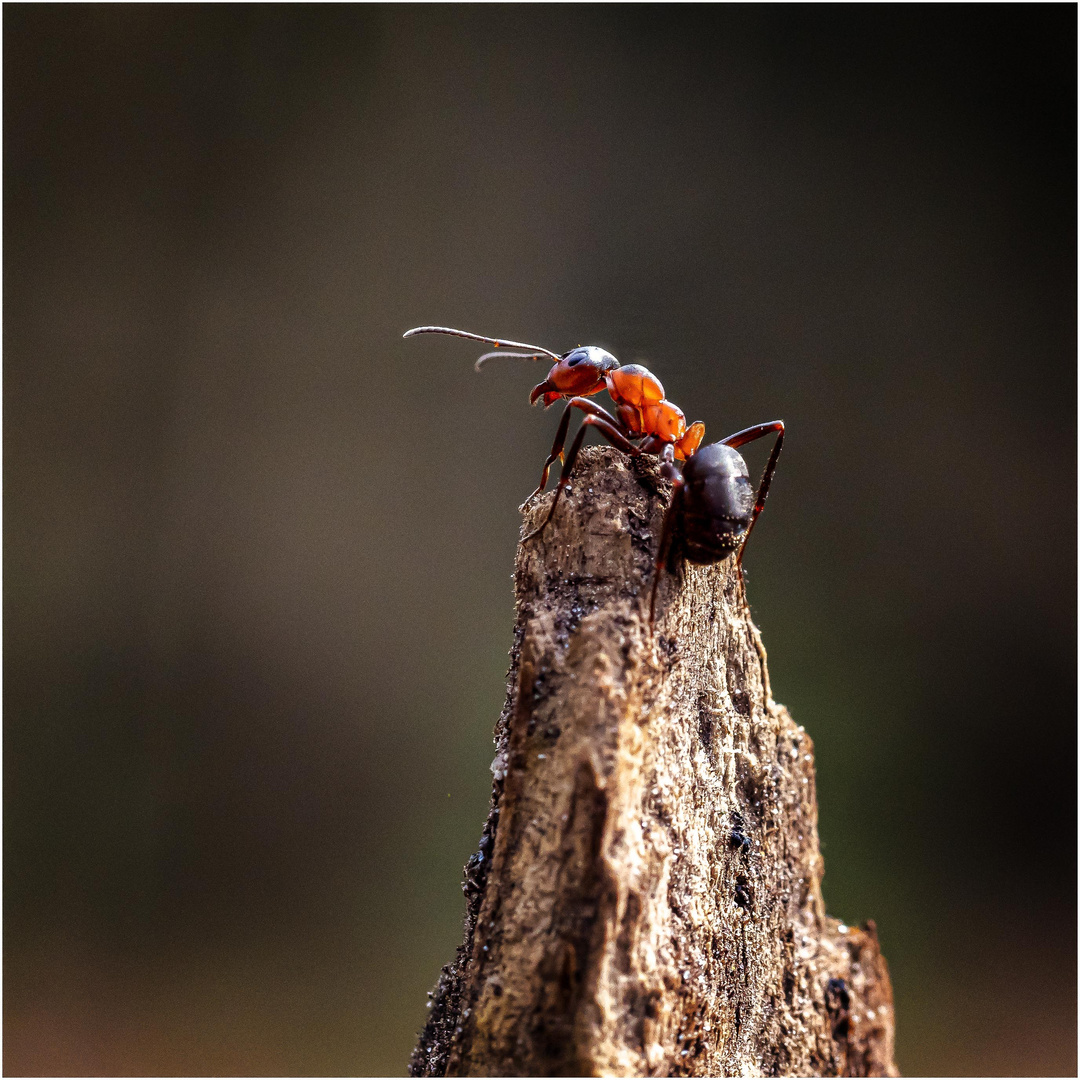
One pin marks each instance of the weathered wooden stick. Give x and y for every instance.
(646, 900)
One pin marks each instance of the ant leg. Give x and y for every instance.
(740, 438)
(610, 431)
(585, 406)
(667, 531)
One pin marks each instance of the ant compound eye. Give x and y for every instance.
(591, 356)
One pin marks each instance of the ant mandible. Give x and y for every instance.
(713, 503)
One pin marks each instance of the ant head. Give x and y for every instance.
(579, 373)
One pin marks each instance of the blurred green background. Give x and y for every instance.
(258, 549)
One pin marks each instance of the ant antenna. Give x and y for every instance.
(497, 342)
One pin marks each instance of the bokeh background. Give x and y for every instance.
(258, 549)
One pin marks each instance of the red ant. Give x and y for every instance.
(713, 503)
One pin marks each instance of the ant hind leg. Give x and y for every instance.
(740, 438)
(666, 535)
(667, 531)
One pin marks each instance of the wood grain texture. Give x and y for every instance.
(646, 900)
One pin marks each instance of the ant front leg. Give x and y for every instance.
(607, 427)
(740, 438)
(585, 406)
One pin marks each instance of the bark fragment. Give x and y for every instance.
(646, 899)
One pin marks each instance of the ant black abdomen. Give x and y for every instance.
(714, 507)
(717, 503)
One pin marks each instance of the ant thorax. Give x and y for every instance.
(634, 385)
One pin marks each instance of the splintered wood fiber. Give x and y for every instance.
(646, 899)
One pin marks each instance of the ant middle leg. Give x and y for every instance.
(585, 406)
(740, 438)
(607, 427)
